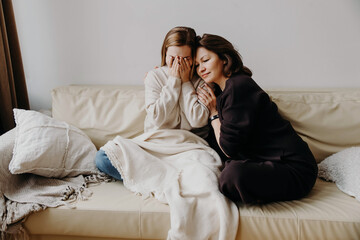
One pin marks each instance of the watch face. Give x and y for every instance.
(214, 117)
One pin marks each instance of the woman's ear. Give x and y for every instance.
(225, 61)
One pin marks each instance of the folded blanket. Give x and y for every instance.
(23, 194)
(180, 169)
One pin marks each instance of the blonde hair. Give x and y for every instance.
(179, 36)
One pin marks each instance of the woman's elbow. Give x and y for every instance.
(156, 119)
(198, 121)
(228, 148)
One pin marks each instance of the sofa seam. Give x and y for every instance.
(300, 219)
(313, 102)
(140, 220)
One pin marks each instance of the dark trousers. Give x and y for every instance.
(256, 181)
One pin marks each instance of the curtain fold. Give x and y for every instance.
(13, 91)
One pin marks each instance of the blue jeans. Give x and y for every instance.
(104, 165)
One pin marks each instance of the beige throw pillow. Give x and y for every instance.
(49, 147)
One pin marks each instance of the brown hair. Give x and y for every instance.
(179, 36)
(226, 52)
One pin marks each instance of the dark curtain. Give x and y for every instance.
(13, 92)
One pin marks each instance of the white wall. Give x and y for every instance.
(287, 43)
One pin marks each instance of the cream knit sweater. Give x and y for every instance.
(171, 104)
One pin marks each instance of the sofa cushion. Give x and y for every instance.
(49, 147)
(323, 118)
(102, 112)
(326, 119)
(115, 212)
(111, 212)
(326, 213)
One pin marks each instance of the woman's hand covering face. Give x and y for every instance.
(180, 67)
(179, 61)
(185, 69)
(174, 67)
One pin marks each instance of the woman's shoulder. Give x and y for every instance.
(240, 79)
(240, 82)
(156, 74)
(159, 71)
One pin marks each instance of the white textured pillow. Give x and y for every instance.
(343, 168)
(49, 147)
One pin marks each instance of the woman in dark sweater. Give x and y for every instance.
(265, 159)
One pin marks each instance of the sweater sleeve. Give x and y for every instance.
(238, 113)
(196, 113)
(161, 99)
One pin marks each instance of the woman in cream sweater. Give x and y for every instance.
(170, 92)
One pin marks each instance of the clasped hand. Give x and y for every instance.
(207, 96)
(180, 67)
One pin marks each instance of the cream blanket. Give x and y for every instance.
(178, 168)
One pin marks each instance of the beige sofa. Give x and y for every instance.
(327, 119)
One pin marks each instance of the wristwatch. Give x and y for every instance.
(216, 116)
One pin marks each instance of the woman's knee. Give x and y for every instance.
(232, 180)
(234, 172)
(104, 165)
(101, 160)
